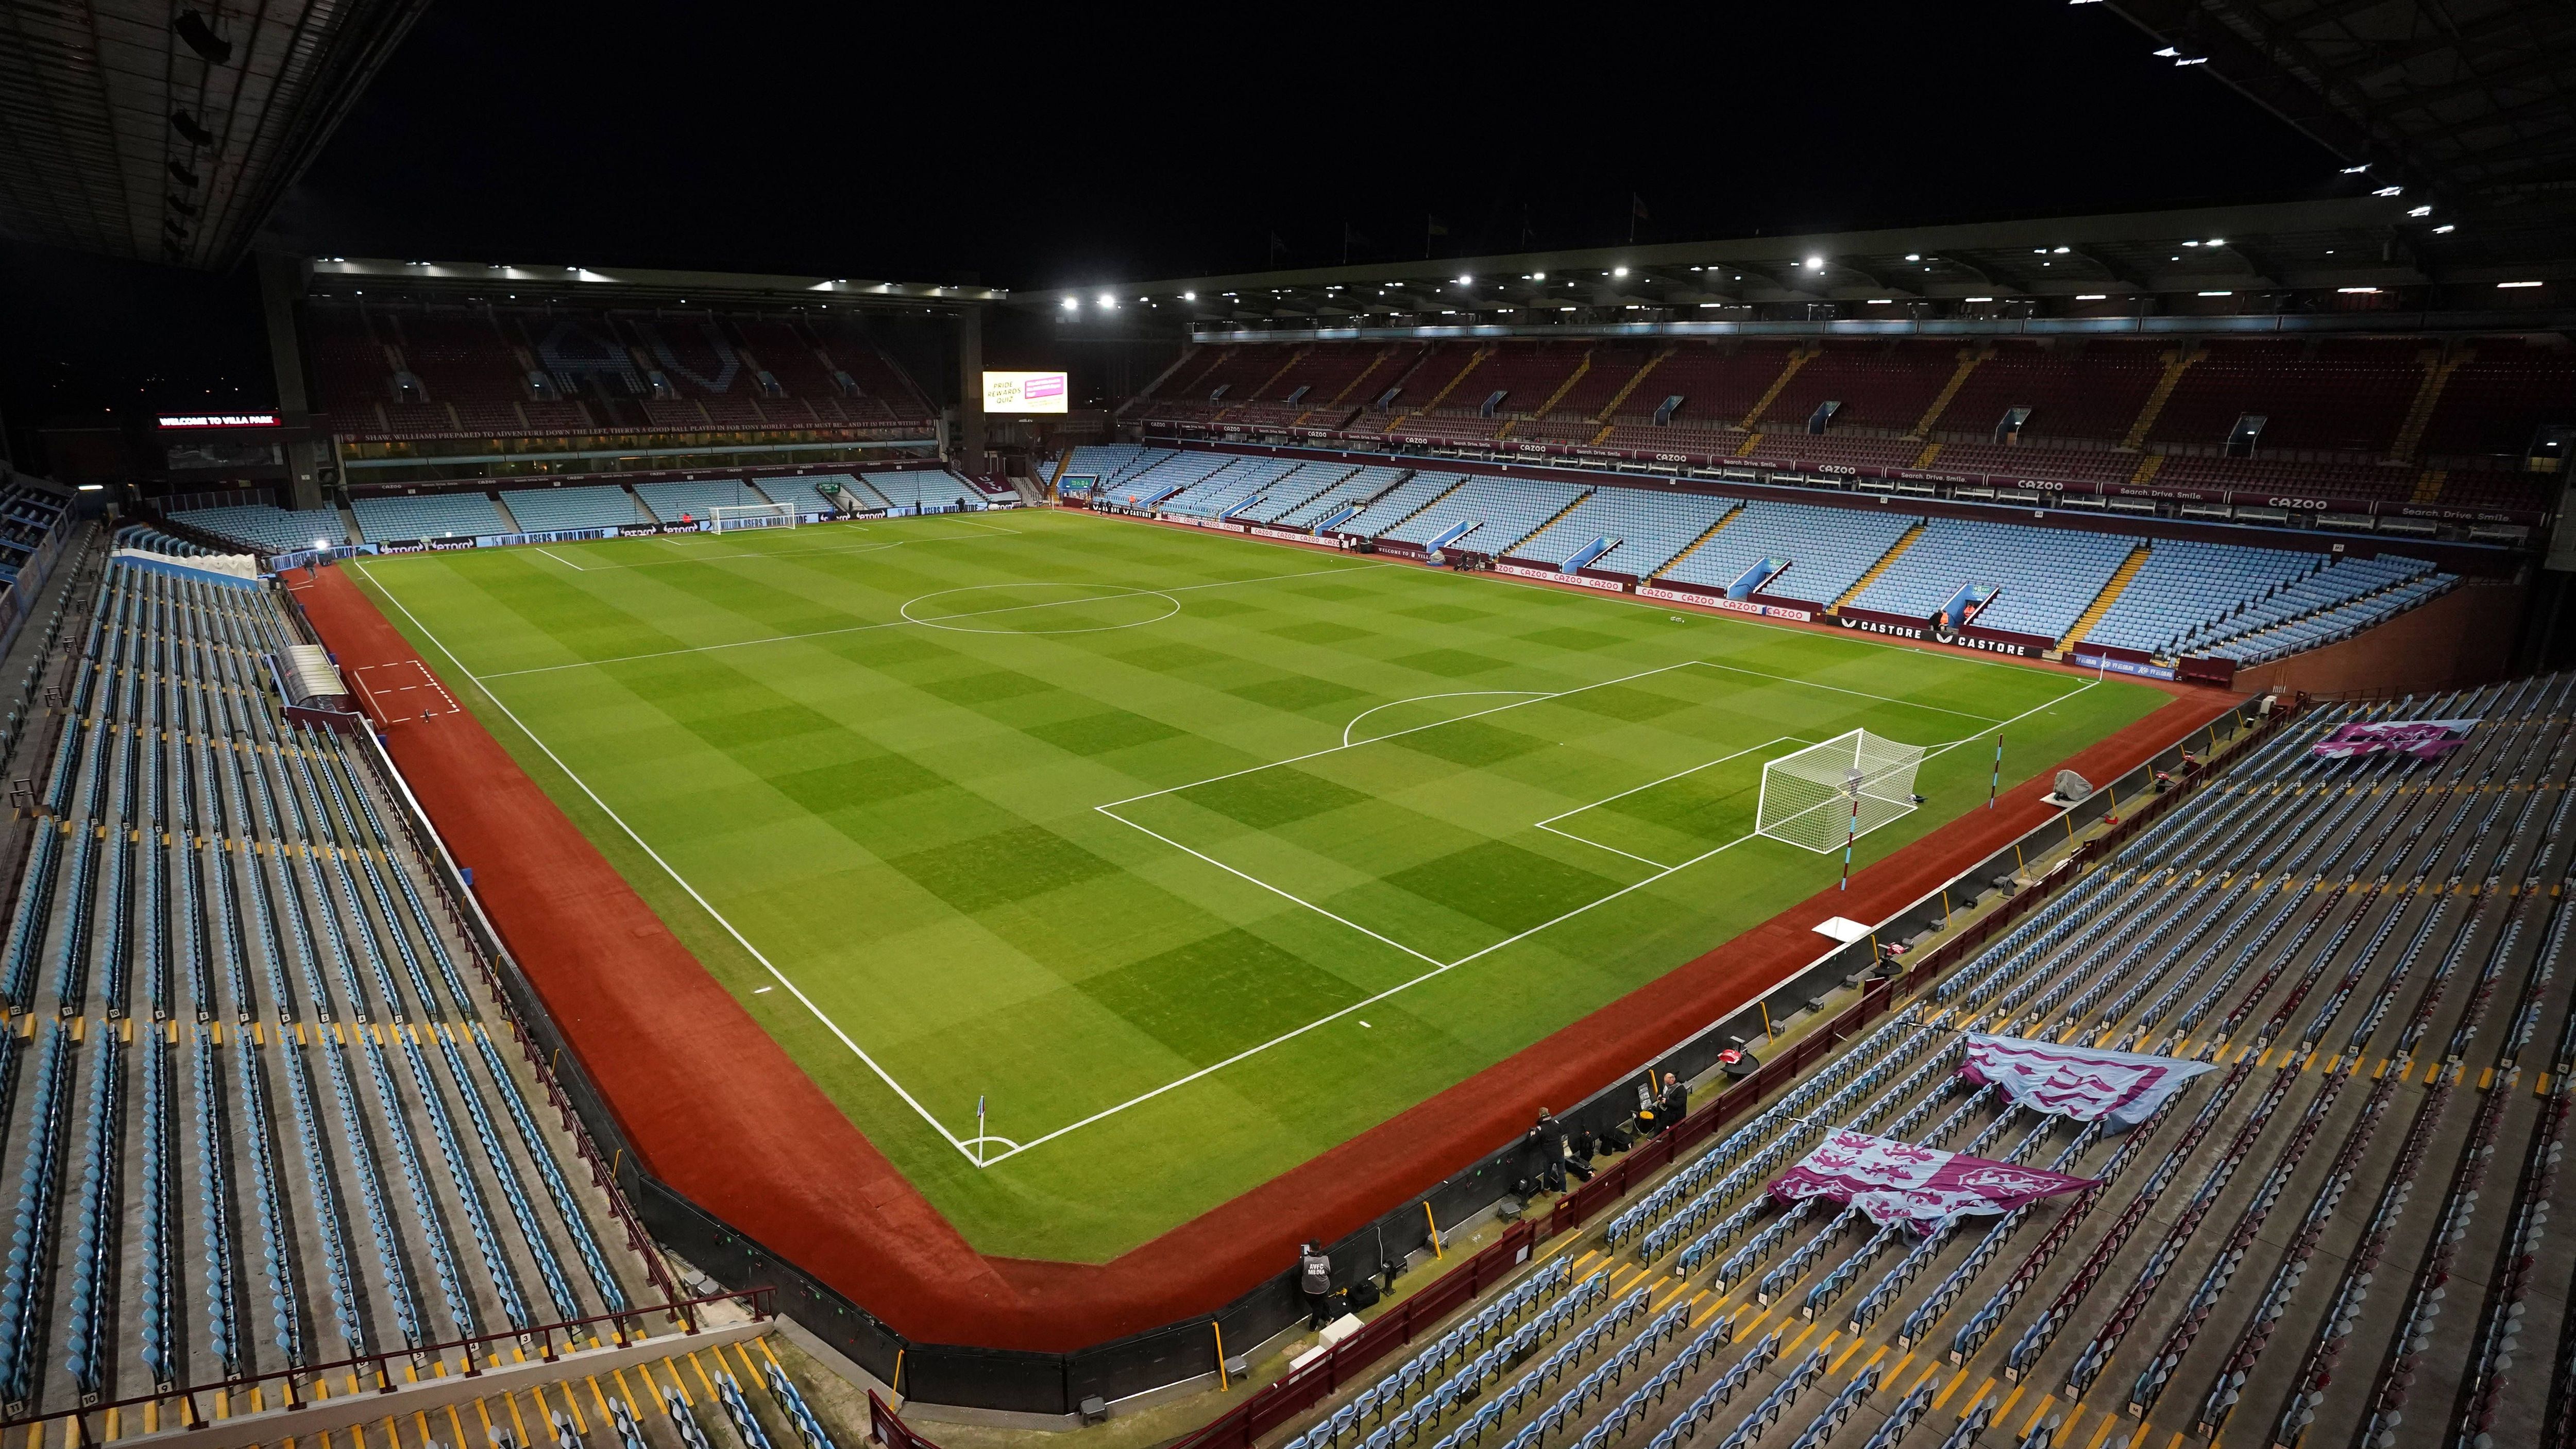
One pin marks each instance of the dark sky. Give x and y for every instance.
(935, 142)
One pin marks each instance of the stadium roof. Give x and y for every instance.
(2363, 241)
(168, 132)
(385, 278)
(2466, 100)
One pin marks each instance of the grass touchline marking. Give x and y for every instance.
(899, 623)
(656, 856)
(559, 558)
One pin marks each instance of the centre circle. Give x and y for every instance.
(1040, 608)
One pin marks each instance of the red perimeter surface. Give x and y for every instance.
(722, 1114)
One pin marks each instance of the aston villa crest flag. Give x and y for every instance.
(1922, 1187)
(2084, 1083)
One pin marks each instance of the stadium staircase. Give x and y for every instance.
(1930, 451)
(1610, 410)
(2110, 595)
(2146, 470)
(2365, 956)
(1886, 560)
(1553, 398)
(1969, 357)
(1571, 504)
(2177, 363)
(2428, 486)
(1474, 361)
(1798, 357)
(1700, 542)
(2438, 367)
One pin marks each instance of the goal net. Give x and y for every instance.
(730, 516)
(1808, 797)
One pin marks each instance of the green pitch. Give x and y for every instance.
(1195, 855)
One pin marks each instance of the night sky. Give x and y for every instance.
(943, 143)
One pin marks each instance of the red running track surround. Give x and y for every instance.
(758, 1144)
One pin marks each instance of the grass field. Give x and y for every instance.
(1194, 855)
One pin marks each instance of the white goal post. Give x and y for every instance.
(1808, 797)
(730, 516)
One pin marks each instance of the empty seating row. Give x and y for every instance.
(427, 515)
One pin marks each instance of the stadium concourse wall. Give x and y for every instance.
(725, 1169)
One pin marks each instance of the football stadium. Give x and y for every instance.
(1941, 827)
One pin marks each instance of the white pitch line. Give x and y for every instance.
(1417, 699)
(1541, 697)
(683, 881)
(1675, 775)
(1597, 845)
(1265, 885)
(900, 623)
(559, 558)
(1437, 970)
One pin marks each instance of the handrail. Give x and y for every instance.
(375, 1363)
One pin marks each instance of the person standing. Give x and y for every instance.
(1675, 1102)
(1315, 1280)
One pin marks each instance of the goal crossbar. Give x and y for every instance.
(730, 516)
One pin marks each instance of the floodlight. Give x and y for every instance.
(1189, 296)
(1466, 281)
(2445, 229)
(2356, 170)
(2419, 211)
(2390, 191)
(2218, 294)
(1073, 304)
(2358, 291)
(2510, 285)
(1618, 271)
(2092, 296)
(1818, 263)
(1980, 299)
(1538, 276)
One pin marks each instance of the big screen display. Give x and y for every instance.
(1024, 392)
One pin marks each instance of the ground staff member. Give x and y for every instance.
(1315, 1280)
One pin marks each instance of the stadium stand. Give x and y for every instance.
(28, 512)
(806, 493)
(923, 490)
(1486, 515)
(580, 506)
(266, 1114)
(2226, 1265)
(2375, 421)
(2333, 603)
(1791, 550)
(2039, 579)
(397, 370)
(2050, 586)
(2185, 586)
(1354, 491)
(267, 528)
(1625, 530)
(669, 502)
(428, 515)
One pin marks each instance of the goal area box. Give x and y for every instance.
(1818, 797)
